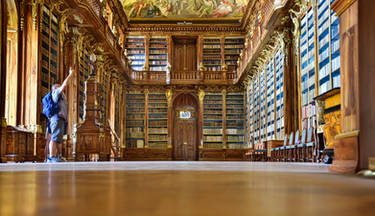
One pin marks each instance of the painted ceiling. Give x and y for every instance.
(184, 9)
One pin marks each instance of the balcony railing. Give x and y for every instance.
(183, 77)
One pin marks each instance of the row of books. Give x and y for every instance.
(134, 123)
(162, 51)
(308, 111)
(158, 62)
(137, 51)
(212, 138)
(236, 52)
(159, 46)
(157, 137)
(234, 46)
(157, 130)
(159, 123)
(211, 46)
(135, 45)
(235, 138)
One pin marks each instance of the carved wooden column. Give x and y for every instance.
(3, 123)
(169, 95)
(122, 120)
(70, 52)
(200, 118)
(354, 146)
(290, 82)
(224, 118)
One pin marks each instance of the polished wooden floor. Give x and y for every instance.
(172, 188)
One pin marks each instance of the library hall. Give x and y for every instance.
(187, 107)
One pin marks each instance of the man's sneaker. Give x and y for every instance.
(54, 160)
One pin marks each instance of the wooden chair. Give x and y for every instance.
(297, 141)
(279, 151)
(289, 148)
(310, 145)
(300, 147)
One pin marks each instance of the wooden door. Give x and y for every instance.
(184, 54)
(185, 129)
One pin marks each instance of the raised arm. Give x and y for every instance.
(65, 83)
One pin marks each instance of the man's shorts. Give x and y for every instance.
(57, 126)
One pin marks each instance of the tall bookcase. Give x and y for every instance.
(83, 76)
(270, 100)
(117, 113)
(266, 102)
(262, 82)
(136, 47)
(279, 85)
(104, 98)
(321, 73)
(235, 120)
(232, 49)
(250, 114)
(158, 53)
(212, 53)
(256, 106)
(49, 38)
(135, 119)
(157, 120)
(213, 120)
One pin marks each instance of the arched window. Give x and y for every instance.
(11, 63)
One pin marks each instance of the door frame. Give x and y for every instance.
(197, 116)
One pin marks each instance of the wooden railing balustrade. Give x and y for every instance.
(155, 77)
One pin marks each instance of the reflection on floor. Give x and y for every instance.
(182, 188)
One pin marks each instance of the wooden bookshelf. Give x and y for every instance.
(158, 53)
(211, 53)
(49, 38)
(279, 94)
(213, 120)
(157, 120)
(266, 102)
(232, 49)
(321, 72)
(235, 120)
(135, 119)
(270, 108)
(83, 76)
(136, 48)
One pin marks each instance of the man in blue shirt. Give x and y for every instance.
(57, 122)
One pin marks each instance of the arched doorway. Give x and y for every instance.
(11, 62)
(185, 130)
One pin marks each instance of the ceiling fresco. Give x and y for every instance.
(184, 9)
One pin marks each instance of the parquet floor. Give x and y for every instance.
(182, 188)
